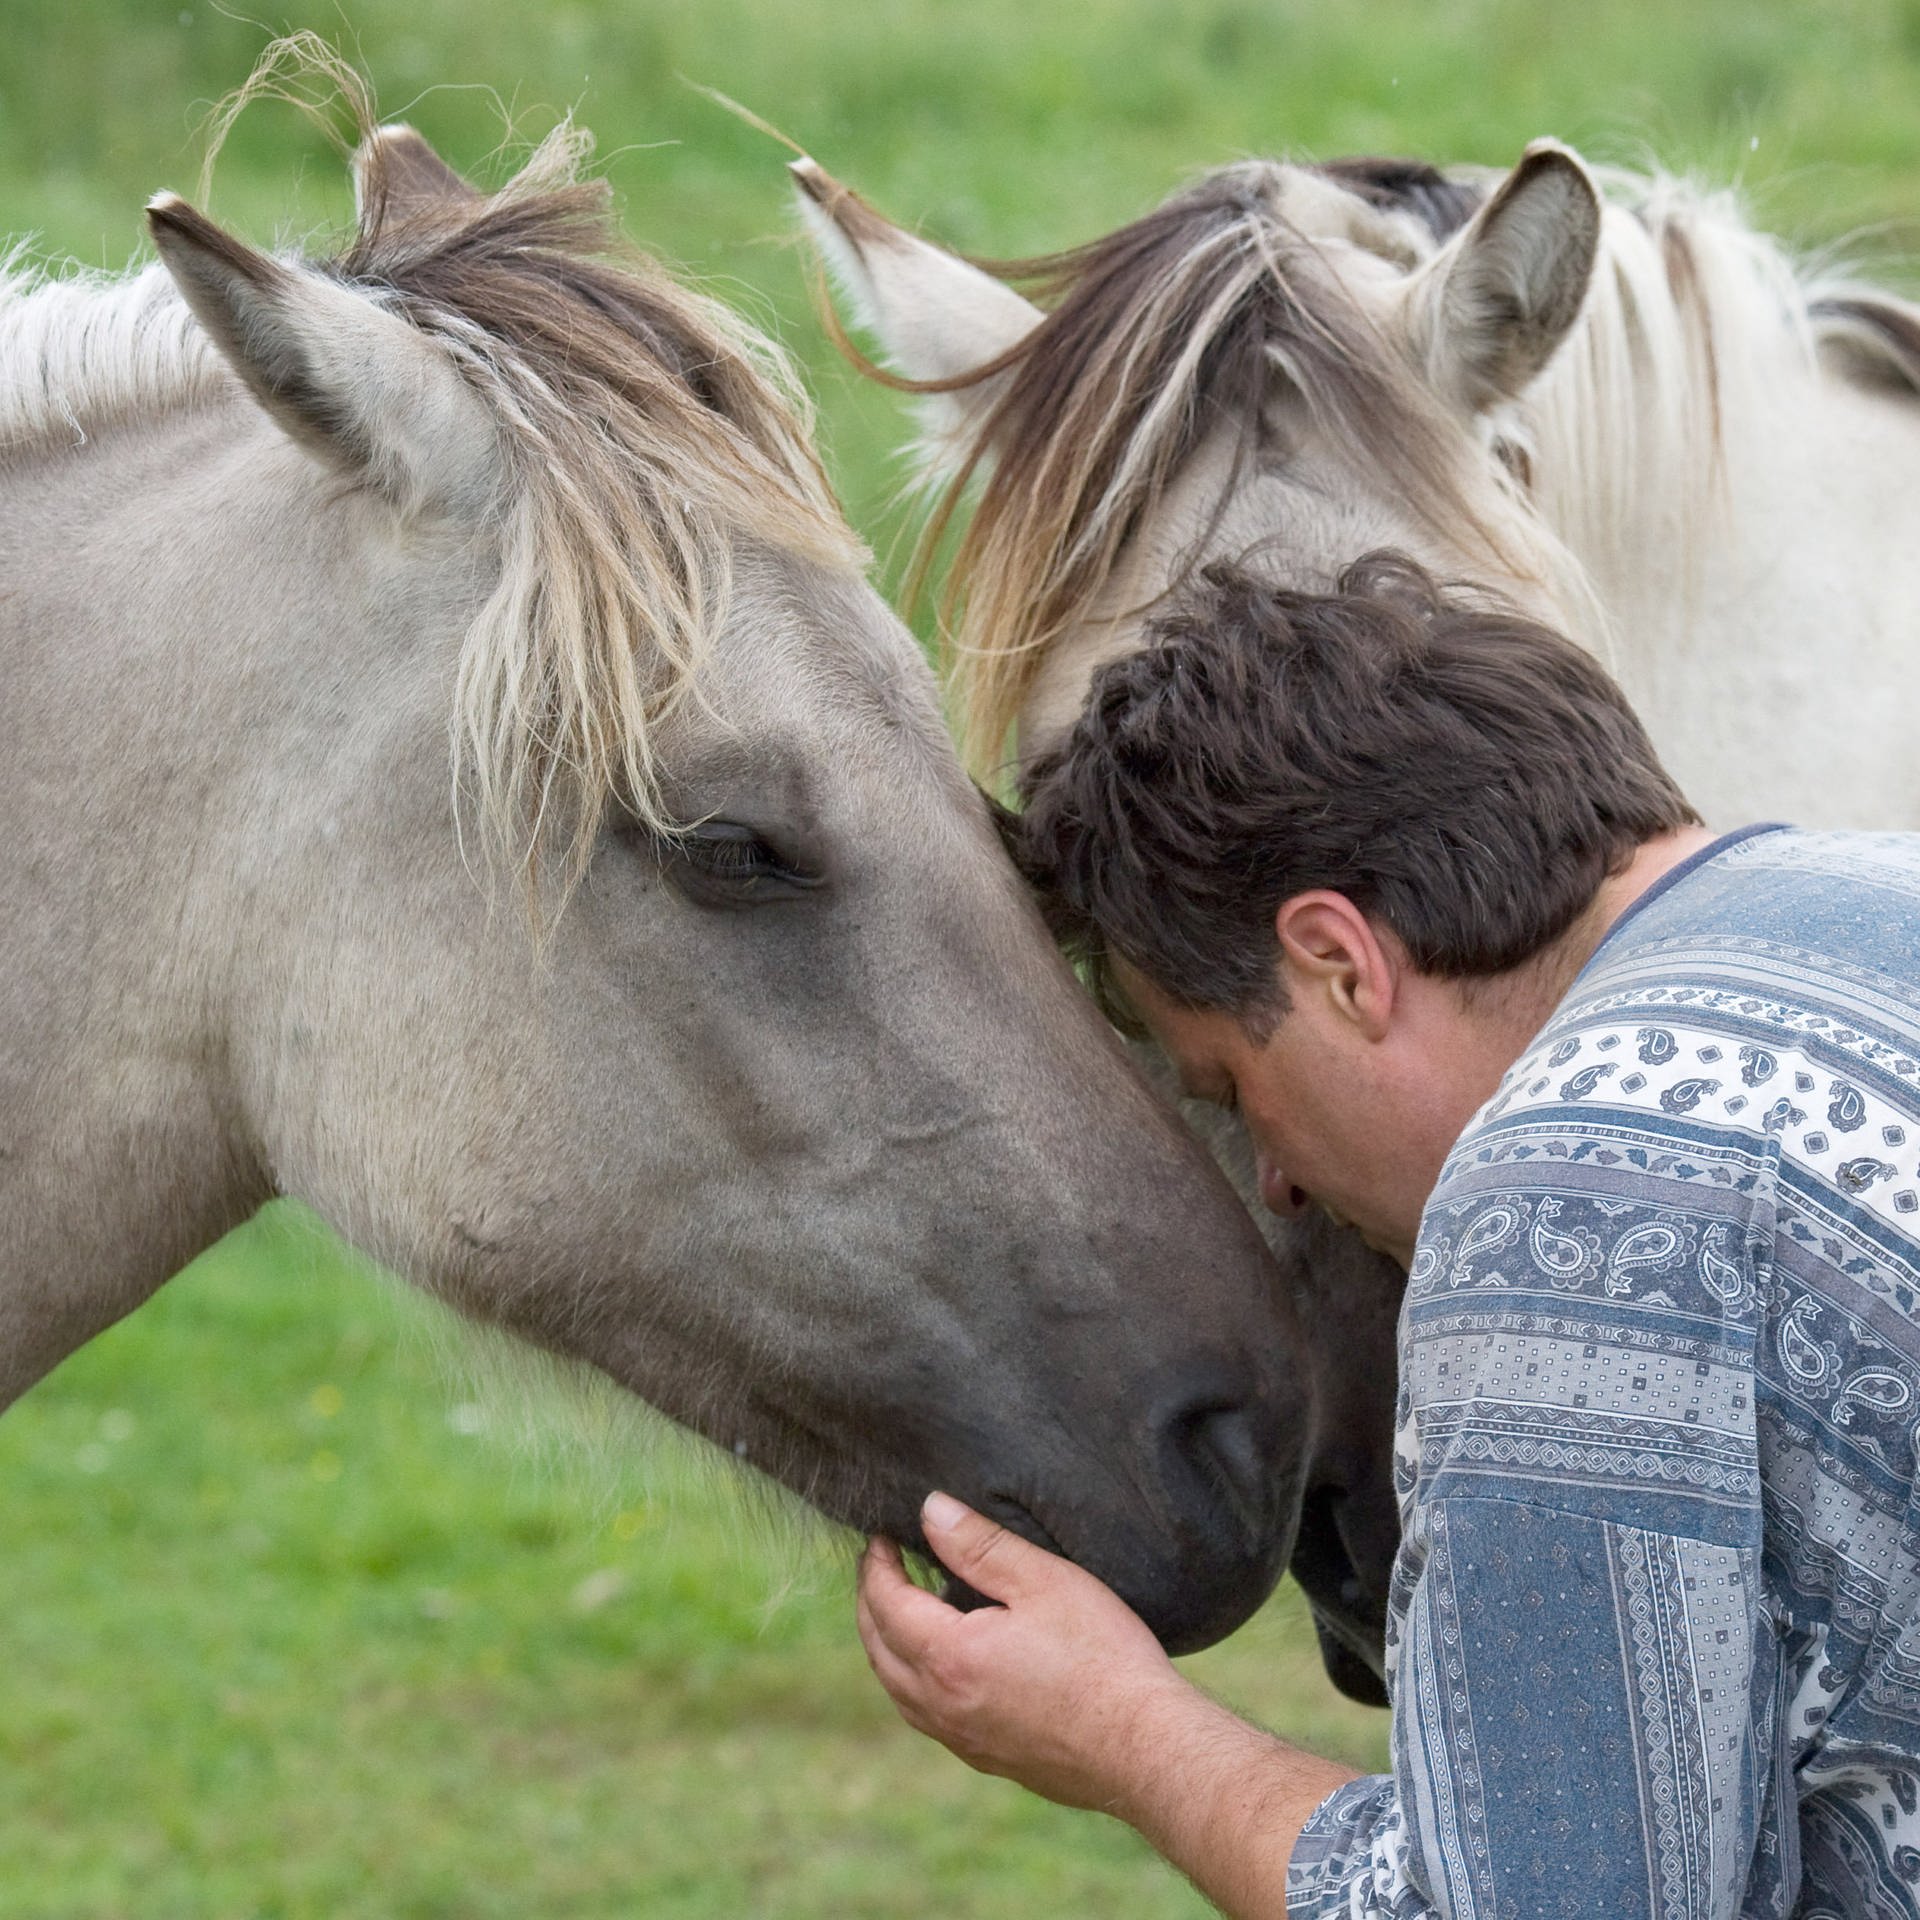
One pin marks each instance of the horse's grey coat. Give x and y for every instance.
(850, 1179)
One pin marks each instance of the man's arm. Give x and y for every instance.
(1581, 1725)
(1064, 1689)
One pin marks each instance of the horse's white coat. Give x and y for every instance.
(1734, 497)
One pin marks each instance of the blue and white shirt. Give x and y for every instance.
(1655, 1632)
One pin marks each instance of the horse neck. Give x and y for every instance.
(1688, 413)
(162, 737)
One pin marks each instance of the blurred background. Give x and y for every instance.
(309, 1607)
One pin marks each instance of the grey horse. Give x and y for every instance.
(454, 771)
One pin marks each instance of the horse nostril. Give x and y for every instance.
(1212, 1456)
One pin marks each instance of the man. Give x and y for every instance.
(1397, 875)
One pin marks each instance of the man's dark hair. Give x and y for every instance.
(1463, 774)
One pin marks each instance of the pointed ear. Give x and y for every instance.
(397, 177)
(355, 385)
(934, 316)
(1501, 297)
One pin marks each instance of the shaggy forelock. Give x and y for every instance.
(647, 430)
(1157, 334)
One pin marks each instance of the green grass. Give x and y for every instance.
(280, 1635)
(294, 1625)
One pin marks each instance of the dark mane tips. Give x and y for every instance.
(1876, 337)
(1157, 334)
(1443, 206)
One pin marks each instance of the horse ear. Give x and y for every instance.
(1504, 293)
(935, 316)
(353, 384)
(397, 176)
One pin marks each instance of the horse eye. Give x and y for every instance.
(723, 863)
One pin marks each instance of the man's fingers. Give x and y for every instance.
(879, 1567)
(882, 1562)
(901, 1679)
(904, 1618)
(981, 1552)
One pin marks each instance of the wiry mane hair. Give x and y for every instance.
(1174, 325)
(643, 426)
(1155, 335)
(647, 428)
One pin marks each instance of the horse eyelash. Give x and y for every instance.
(743, 859)
(730, 857)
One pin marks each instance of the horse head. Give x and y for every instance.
(1282, 367)
(493, 808)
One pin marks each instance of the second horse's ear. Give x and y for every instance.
(934, 316)
(1502, 295)
(356, 386)
(398, 176)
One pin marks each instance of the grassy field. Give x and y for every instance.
(294, 1624)
(293, 1621)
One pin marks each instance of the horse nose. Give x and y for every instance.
(1218, 1468)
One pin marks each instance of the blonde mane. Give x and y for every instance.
(645, 429)
(83, 351)
(648, 429)
(1171, 327)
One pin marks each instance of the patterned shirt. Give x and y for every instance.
(1655, 1628)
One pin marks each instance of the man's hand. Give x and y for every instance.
(1063, 1688)
(1049, 1688)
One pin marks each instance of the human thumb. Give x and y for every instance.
(995, 1562)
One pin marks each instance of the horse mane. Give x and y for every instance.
(1695, 323)
(1875, 335)
(1172, 325)
(647, 428)
(1441, 205)
(643, 425)
(1154, 336)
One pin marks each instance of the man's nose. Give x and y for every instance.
(1280, 1194)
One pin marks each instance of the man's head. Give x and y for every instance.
(1366, 808)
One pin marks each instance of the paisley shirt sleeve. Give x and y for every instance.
(1585, 1679)
(1577, 1736)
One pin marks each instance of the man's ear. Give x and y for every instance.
(356, 386)
(934, 316)
(1330, 951)
(1504, 293)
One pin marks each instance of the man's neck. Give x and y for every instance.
(1652, 860)
(1487, 1024)
(1511, 1008)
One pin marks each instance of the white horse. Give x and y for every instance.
(1624, 407)
(1607, 396)
(758, 1084)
